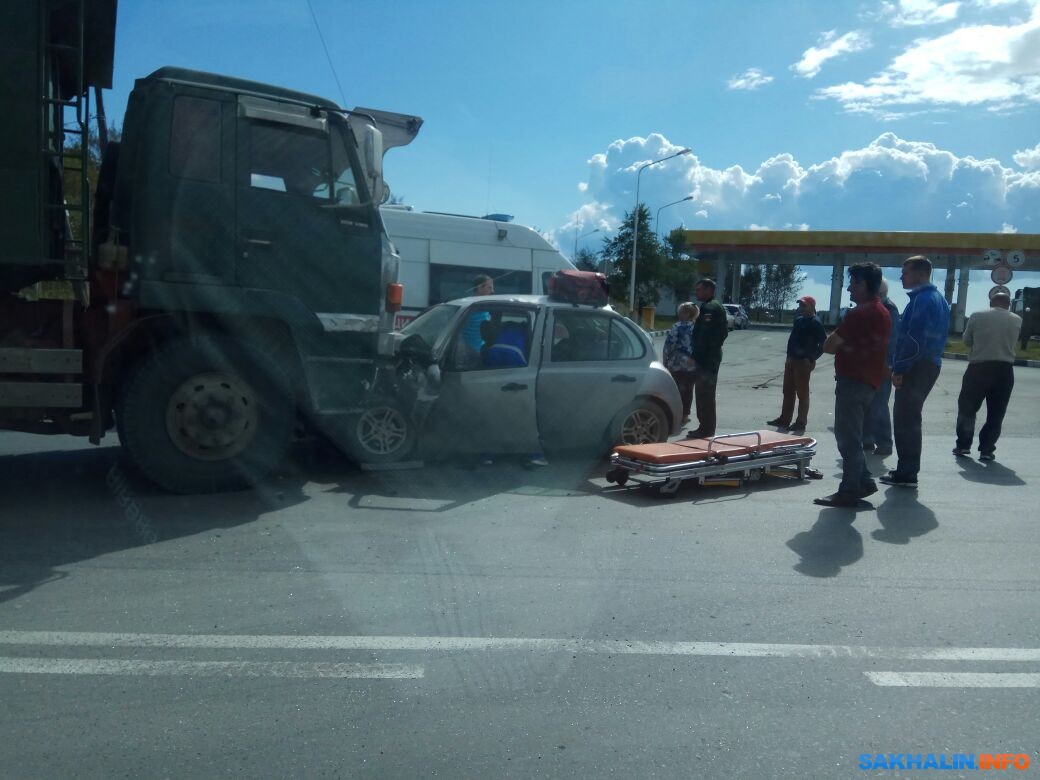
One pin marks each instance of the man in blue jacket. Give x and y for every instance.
(920, 340)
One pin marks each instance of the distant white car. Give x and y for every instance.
(736, 316)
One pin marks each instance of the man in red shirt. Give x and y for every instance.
(859, 346)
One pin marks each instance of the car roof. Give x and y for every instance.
(528, 300)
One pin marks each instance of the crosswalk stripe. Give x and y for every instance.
(513, 644)
(106, 666)
(955, 679)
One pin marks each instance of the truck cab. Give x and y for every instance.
(235, 281)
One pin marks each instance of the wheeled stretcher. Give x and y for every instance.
(731, 456)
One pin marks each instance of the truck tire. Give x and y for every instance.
(642, 422)
(204, 415)
(383, 433)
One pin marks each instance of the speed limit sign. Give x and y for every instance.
(1002, 274)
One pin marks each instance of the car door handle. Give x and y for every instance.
(513, 387)
(623, 378)
(259, 241)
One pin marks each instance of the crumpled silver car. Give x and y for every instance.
(516, 373)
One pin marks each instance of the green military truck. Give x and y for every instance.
(228, 280)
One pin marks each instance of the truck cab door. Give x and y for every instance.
(306, 226)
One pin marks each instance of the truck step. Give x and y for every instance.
(20, 360)
(40, 395)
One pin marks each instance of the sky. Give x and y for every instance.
(874, 115)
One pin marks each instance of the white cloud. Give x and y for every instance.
(1005, 228)
(912, 13)
(973, 65)
(828, 48)
(752, 78)
(889, 184)
(1028, 158)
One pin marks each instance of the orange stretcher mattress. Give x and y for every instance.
(698, 450)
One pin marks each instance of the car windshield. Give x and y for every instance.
(469, 389)
(431, 323)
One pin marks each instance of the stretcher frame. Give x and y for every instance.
(750, 466)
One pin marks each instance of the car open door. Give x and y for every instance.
(486, 400)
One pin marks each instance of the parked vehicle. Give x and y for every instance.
(229, 279)
(442, 253)
(541, 373)
(736, 316)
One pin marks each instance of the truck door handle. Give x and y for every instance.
(259, 241)
(623, 378)
(513, 387)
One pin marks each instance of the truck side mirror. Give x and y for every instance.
(372, 150)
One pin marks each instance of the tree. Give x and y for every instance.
(650, 267)
(750, 287)
(682, 275)
(780, 286)
(586, 260)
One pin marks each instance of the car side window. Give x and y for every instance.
(493, 338)
(625, 343)
(586, 336)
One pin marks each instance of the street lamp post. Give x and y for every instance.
(635, 232)
(576, 237)
(657, 219)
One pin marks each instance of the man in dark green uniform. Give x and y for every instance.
(709, 332)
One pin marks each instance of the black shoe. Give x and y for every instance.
(777, 423)
(868, 489)
(961, 451)
(842, 500)
(891, 478)
(797, 429)
(987, 456)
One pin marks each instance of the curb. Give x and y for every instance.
(1018, 361)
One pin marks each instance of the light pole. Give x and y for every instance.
(576, 237)
(635, 232)
(657, 219)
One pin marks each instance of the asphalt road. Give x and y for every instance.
(464, 622)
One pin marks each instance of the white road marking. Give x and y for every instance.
(954, 679)
(514, 644)
(86, 666)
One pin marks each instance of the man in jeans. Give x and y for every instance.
(991, 337)
(859, 346)
(877, 427)
(804, 347)
(920, 340)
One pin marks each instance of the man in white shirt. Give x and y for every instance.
(990, 336)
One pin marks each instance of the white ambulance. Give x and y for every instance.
(441, 254)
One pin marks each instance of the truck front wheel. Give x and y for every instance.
(206, 415)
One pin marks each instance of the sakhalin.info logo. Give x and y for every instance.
(961, 761)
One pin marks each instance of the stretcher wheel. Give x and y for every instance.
(620, 476)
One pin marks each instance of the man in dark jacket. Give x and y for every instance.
(920, 340)
(709, 332)
(804, 347)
